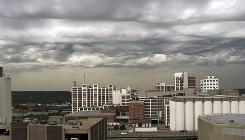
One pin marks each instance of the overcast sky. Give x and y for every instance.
(47, 44)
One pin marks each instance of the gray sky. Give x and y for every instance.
(46, 44)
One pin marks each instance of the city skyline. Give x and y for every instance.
(46, 45)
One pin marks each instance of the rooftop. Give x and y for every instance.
(201, 98)
(229, 119)
(89, 114)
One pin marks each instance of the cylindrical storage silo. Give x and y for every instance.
(172, 115)
(198, 112)
(234, 107)
(241, 107)
(189, 115)
(208, 108)
(217, 107)
(180, 116)
(226, 107)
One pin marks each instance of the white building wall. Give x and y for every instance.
(217, 107)
(116, 97)
(172, 115)
(210, 83)
(185, 84)
(184, 115)
(226, 107)
(241, 107)
(208, 108)
(5, 100)
(189, 125)
(234, 107)
(197, 112)
(99, 96)
(177, 84)
(180, 118)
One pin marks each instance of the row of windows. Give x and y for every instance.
(209, 84)
(209, 80)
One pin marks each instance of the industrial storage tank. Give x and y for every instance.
(226, 107)
(116, 97)
(180, 118)
(198, 112)
(234, 107)
(189, 116)
(208, 108)
(241, 107)
(217, 107)
(172, 115)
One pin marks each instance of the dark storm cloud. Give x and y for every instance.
(116, 33)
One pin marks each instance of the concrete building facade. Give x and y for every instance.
(89, 98)
(5, 98)
(185, 110)
(80, 129)
(121, 97)
(221, 127)
(210, 83)
(153, 108)
(183, 81)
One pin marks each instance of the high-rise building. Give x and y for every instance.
(5, 98)
(210, 83)
(154, 108)
(121, 97)
(180, 80)
(93, 97)
(183, 81)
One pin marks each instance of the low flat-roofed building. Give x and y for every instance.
(90, 114)
(90, 129)
(221, 127)
(76, 129)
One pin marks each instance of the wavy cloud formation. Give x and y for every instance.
(128, 33)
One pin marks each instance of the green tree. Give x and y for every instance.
(116, 127)
(122, 127)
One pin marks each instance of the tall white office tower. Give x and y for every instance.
(5, 98)
(180, 80)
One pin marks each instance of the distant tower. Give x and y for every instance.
(5, 98)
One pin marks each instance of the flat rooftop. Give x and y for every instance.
(199, 98)
(82, 124)
(230, 119)
(89, 114)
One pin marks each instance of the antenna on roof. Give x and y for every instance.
(74, 83)
(84, 80)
